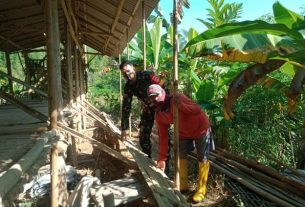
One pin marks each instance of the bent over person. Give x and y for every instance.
(136, 85)
(194, 126)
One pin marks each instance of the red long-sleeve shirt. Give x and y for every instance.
(193, 122)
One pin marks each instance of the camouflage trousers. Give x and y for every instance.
(146, 124)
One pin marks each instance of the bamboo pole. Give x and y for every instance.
(9, 72)
(98, 145)
(19, 57)
(121, 88)
(263, 168)
(53, 52)
(11, 177)
(69, 66)
(260, 176)
(11, 42)
(23, 83)
(23, 107)
(28, 77)
(175, 91)
(252, 187)
(54, 176)
(294, 171)
(72, 152)
(144, 34)
(127, 33)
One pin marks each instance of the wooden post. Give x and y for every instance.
(54, 176)
(77, 85)
(175, 91)
(9, 72)
(127, 33)
(27, 70)
(82, 65)
(121, 87)
(53, 52)
(69, 66)
(144, 35)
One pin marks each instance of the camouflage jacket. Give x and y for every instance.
(139, 89)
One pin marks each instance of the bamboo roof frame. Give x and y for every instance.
(102, 25)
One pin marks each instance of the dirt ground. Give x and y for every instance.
(107, 169)
(92, 161)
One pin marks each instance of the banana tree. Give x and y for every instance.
(221, 13)
(267, 46)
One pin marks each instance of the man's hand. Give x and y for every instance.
(123, 135)
(161, 165)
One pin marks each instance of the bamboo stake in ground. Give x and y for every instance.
(175, 91)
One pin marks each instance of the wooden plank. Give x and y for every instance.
(97, 144)
(18, 129)
(157, 181)
(124, 190)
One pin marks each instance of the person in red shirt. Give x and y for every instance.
(194, 127)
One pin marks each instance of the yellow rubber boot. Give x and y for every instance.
(203, 170)
(183, 175)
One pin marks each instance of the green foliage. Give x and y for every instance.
(221, 13)
(262, 123)
(17, 71)
(269, 18)
(104, 91)
(289, 18)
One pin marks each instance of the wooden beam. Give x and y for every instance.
(23, 107)
(95, 22)
(21, 129)
(102, 12)
(9, 72)
(117, 16)
(72, 31)
(11, 42)
(68, 52)
(97, 144)
(24, 84)
(70, 10)
(133, 13)
(104, 34)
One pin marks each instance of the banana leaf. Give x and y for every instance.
(256, 26)
(287, 17)
(155, 35)
(244, 80)
(246, 47)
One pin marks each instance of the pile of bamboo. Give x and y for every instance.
(265, 181)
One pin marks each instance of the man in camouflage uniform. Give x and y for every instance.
(136, 85)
